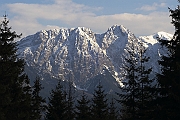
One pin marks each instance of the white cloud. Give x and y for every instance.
(71, 14)
(137, 23)
(153, 7)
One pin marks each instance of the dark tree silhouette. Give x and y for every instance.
(15, 99)
(113, 113)
(168, 101)
(146, 88)
(70, 109)
(57, 104)
(138, 90)
(99, 104)
(38, 103)
(83, 109)
(128, 97)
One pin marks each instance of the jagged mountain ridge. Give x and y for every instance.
(79, 54)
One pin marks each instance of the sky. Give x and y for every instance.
(141, 17)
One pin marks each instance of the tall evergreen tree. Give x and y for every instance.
(57, 104)
(130, 90)
(70, 109)
(99, 104)
(146, 88)
(113, 113)
(38, 103)
(137, 91)
(14, 90)
(168, 100)
(83, 109)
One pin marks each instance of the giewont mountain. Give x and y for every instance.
(82, 56)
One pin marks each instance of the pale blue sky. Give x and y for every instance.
(142, 17)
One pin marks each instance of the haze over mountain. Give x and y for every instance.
(84, 57)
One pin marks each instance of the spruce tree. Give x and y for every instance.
(38, 103)
(113, 113)
(56, 109)
(70, 109)
(27, 100)
(83, 108)
(14, 91)
(99, 104)
(146, 88)
(128, 96)
(168, 101)
(137, 91)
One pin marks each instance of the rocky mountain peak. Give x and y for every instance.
(79, 54)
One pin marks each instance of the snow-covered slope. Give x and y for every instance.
(154, 49)
(79, 54)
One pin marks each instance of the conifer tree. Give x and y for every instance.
(27, 100)
(14, 91)
(83, 108)
(99, 104)
(168, 101)
(128, 97)
(70, 110)
(137, 91)
(57, 105)
(146, 88)
(113, 113)
(38, 103)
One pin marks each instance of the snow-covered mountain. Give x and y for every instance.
(154, 49)
(82, 56)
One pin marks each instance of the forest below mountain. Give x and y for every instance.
(141, 96)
